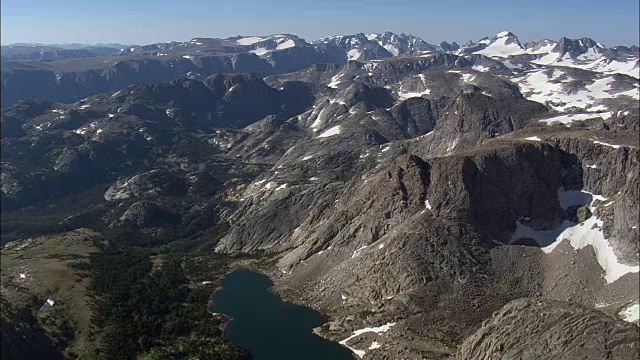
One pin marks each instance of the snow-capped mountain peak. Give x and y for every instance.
(504, 44)
(371, 46)
(544, 46)
(263, 45)
(504, 34)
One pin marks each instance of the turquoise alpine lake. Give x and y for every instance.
(268, 327)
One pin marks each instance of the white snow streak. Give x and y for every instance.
(335, 81)
(407, 95)
(333, 131)
(358, 252)
(377, 330)
(606, 144)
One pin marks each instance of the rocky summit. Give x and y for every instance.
(432, 201)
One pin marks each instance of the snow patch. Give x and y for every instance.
(481, 68)
(85, 129)
(579, 235)
(533, 138)
(467, 77)
(331, 132)
(427, 205)
(392, 49)
(377, 330)
(249, 40)
(546, 49)
(569, 118)
(286, 44)
(590, 233)
(354, 54)
(630, 313)
(407, 95)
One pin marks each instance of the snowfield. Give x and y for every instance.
(499, 48)
(249, 40)
(555, 91)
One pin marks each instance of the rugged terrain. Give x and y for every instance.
(57, 74)
(425, 197)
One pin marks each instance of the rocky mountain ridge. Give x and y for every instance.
(67, 77)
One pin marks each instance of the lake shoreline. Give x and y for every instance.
(263, 322)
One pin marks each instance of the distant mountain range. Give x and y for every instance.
(68, 46)
(57, 74)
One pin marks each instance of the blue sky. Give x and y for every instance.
(612, 22)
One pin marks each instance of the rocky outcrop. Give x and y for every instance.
(151, 184)
(497, 185)
(146, 214)
(545, 329)
(422, 250)
(474, 116)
